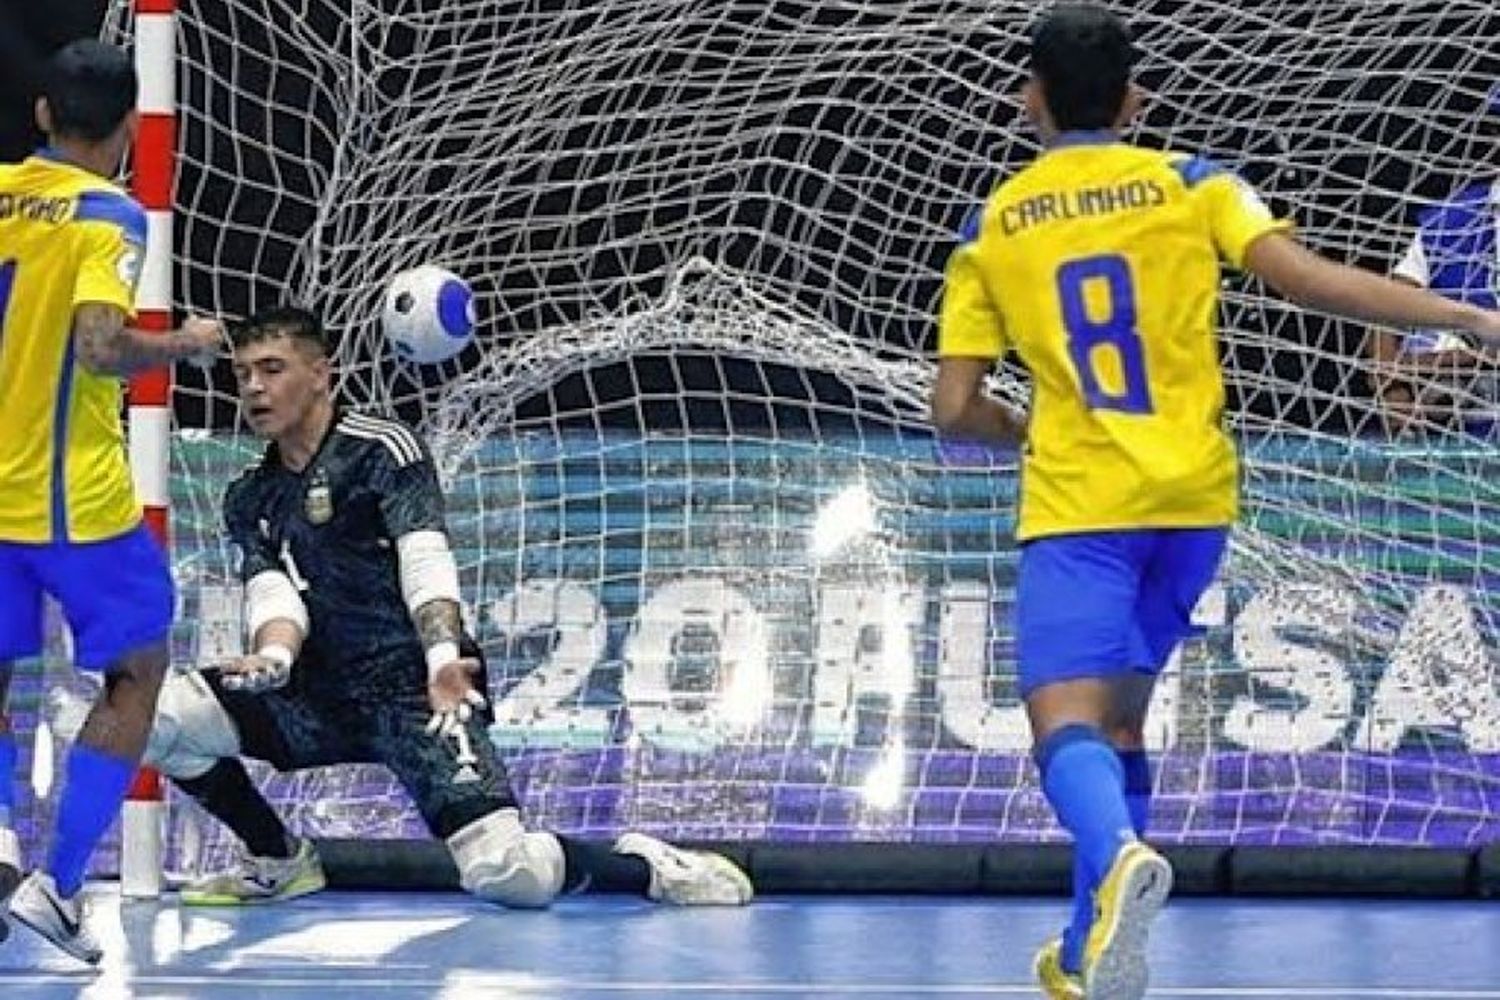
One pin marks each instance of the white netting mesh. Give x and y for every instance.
(727, 582)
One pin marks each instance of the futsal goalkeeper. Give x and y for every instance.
(360, 656)
(1099, 265)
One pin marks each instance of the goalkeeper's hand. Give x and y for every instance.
(255, 673)
(453, 697)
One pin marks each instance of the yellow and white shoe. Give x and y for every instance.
(1125, 905)
(1056, 984)
(260, 880)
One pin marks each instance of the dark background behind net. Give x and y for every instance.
(1398, 121)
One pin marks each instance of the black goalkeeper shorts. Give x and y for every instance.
(453, 781)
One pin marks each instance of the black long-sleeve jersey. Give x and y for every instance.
(332, 529)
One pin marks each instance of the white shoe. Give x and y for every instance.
(38, 905)
(688, 878)
(10, 872)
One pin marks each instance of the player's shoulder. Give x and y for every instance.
(243, 492)
(81, 198)
(1038, 175)
(380, 436)
(1193, 169)
(104, 204)
(251, 476)
(1478, 194)
(97, 201)
(1462, 206)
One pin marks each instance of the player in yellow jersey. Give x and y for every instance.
(71, 246)
(1098, 264)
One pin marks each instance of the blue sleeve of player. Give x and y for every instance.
(968, 230)
(1194, 170)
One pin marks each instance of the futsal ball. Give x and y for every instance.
(429, 314)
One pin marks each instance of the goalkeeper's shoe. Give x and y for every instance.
(1056, 984)
(1125, 904)
(260, 880)
(39, 905)
(10, 872)
(688, 878)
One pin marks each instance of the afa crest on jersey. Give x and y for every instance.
(318, 503)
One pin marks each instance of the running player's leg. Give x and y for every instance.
(1076, 598)
(117, 596)
(20, 639)
(1126, 731)
(10, 844)
(1180, 566)
(1124, 728)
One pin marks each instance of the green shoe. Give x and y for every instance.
(260, 880)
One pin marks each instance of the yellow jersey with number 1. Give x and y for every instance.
(1098, 265)
(67, 237)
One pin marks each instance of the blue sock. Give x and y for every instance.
(1076, 934)
(96, 785)
(1137, 767)
(7, 776)
(1085, 783)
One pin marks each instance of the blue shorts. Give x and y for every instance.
(117, 596)
(1098, 604)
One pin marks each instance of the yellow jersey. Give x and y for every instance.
(1098, 264)
(67, 237)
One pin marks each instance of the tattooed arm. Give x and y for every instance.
(450, 674)
(439, 622)
(106, 346)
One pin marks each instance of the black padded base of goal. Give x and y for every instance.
(1008, 869)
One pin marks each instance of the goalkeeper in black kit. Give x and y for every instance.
(360, 656)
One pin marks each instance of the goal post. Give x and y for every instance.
(149, 423)
(729, 584)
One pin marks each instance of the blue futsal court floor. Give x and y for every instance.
(380, 945)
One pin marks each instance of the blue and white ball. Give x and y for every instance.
(429, 314)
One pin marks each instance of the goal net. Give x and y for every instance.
(728, 582)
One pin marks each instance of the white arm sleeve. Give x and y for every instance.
(271, 595)
(428, 571)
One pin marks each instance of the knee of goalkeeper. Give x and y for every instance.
(191, 730)
(499, 861)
